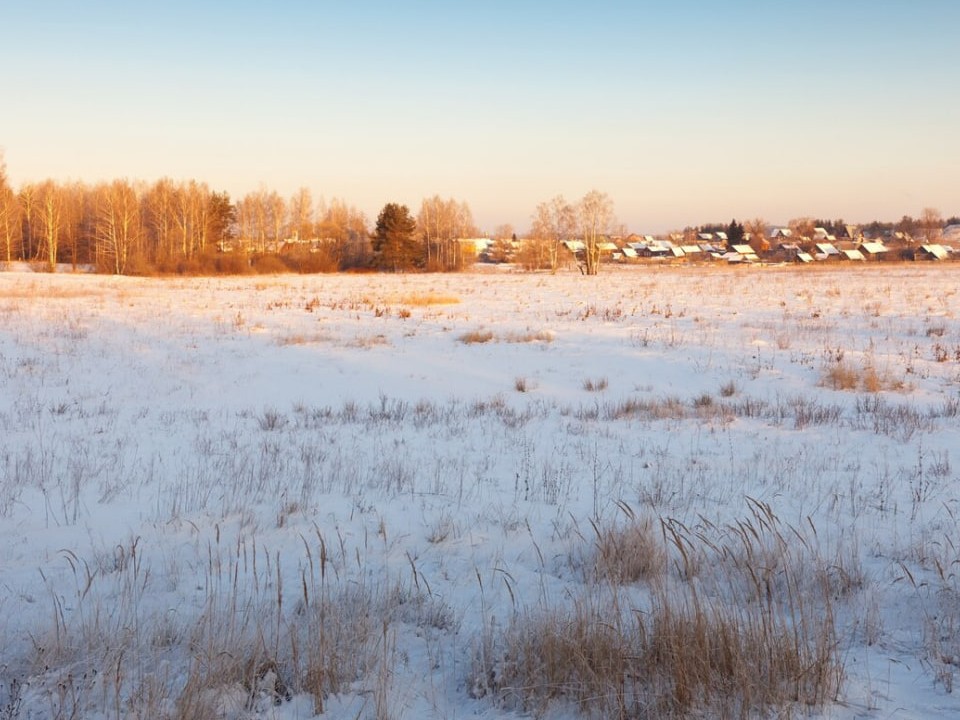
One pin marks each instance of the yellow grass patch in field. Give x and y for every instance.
(476, 336)
(844, 375)
(427, 299)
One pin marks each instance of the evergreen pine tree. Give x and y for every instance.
(394, 241)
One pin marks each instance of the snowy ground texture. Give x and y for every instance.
(374, 496)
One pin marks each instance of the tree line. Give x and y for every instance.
(168, 226)
(134, 227)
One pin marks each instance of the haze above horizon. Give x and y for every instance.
(684, 113)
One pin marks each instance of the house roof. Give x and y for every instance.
(853, 255)
(629, 252)
(874, 248)
(937, 251)
(804, 257)
(743, 249)
(574, 245)
(827, 249)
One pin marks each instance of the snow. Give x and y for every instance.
(176, 454)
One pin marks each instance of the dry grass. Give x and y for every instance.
(53, 289)
(843, 375)
(597, 385)
(629, 553)
(474, 337)
(428, 299)
(485, 336)
(743, 639)
(365, 342)
(303, 339)
(544, 336)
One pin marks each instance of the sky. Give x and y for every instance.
(683, 112)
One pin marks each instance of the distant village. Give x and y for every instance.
(777, 245)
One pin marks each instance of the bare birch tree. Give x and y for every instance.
(931, 225)
(9, 213)
(50, 220)
(158, 213)
(301, 214)
(553, 222)
(595, 215)
(117, 224)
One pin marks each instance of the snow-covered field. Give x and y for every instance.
(349, 495)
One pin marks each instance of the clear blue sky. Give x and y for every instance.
(684, 112)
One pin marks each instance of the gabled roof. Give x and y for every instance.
(743, 249)
(691, 249)
(721, 236)
(804, 257)
(874, 248)
(937, 251)
(706, 237)
(574, 245)
(629, 252)
(781, 232)
(853, 255)
(827, 249)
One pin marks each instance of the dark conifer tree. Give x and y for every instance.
(395, 244)
(735, 232)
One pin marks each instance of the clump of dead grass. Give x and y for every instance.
(474, 337)
(629, 552)
(303, 339)
(595, 385)
(843, 375)
(750, 632)
(530, 336)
